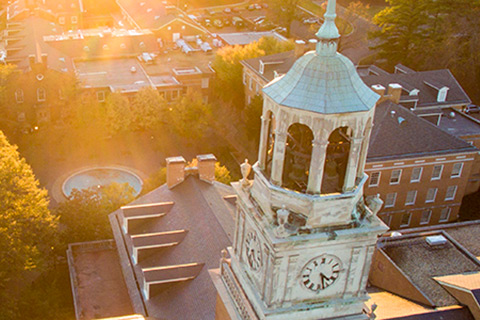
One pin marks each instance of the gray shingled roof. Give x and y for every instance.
(282, 63)
(413, 135)
(428, 95)
(322, 83)
(199, 208)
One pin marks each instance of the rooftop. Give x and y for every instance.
(204, 223)
(147, 14)
(118, 74)
(99, 290)
(413, 135)
(458, 124)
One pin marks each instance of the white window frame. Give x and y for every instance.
(429, 211)
(399, 176)
(388, 219)
(409, 219)
(440, 174)
(427, 200)
(41, 94)
(390, 205)
(205, 83)
(245, 78)
(412, 201)
(250, 83)
(19, 96)
(256, 87)
(61, 20)
(74, 19)
(101, 96)
(449, 198)
(457, 175)
(370, 183)
(419, 175)
(449, 210)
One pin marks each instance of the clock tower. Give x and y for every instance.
(305, 234)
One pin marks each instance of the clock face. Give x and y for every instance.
(321, 272)
(253, 251)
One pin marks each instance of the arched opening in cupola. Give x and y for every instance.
(270, 147)
(336, 160)
(298, 154)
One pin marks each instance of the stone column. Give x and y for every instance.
(262, 150)
(317, 165)
(353, 157)
(278, 158)
(363, 151)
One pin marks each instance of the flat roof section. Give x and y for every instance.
(244, 38)
(99, 290)
(119, 74)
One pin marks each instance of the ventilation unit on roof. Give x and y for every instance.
(436, 240)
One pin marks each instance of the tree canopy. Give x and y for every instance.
(432, 34)
(27, 228)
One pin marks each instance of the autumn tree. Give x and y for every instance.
(229, 70)
(27, 228)
(84, 216)
(190, 116)
(118, 113)
(149, 109)
(253, 112)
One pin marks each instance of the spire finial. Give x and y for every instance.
(328, 32)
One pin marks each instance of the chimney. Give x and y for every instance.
(379, 89)
(206, 167)
(175, 171)
(312, 44)
(44, 59)
(394, 92)
(299, 48)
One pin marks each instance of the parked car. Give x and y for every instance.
(251, 7)
(227, 10)
(218, 23)
(257, 6)
(471, 108)
(310, 20)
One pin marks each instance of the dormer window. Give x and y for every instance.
(19, 95)
(41, 94)
(262, 67)
(442, 94)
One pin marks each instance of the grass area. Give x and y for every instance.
(344, 26)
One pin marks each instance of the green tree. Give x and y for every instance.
(284, 12)
(402, 30)
(119, 115)
(155, 180)
(27, 228)
(253, 112)
(84, 216)
(190, 116)
(149, 109)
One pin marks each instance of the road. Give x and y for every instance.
(355, 45)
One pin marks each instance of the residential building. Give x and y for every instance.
(420, 171)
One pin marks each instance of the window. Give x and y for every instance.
(61, 20)
(416, 174)
(19, 95)
(387, 218)
(437, 172)
(390, 200)
(450, 195)
(174, 95)
(205, 82)
(374, 179)
(431, 194)
(250, 83)
(457, 170)
(74, 19)
(425, 218)
(244, 78)
(395, 177)
(445, 214)
(411, 196)
(100, 96)
(405, 219)
(41, 95)
(256, 87)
